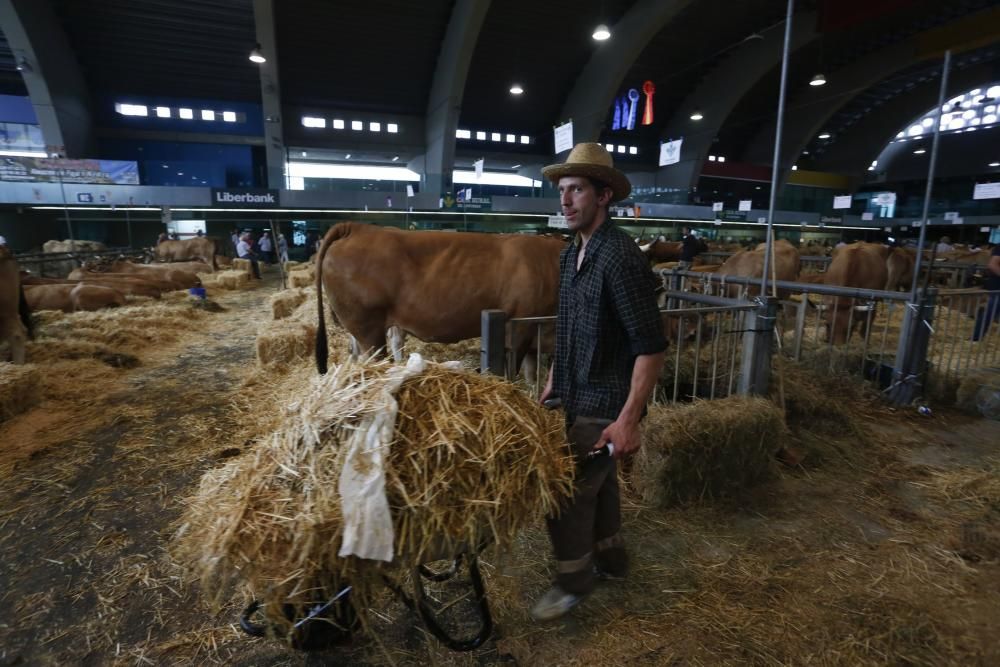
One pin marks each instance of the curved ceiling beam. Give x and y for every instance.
(720, 92)
(447, 88)
(588, 102)
(864, 141)
(54, 81)
(809, 110)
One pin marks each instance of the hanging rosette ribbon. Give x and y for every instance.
(647, 115)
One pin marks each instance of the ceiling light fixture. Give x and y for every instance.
(920, 151)
(825, 135)
(818, 80)
(347, 157)
(995, 164)
(516, 166)
(696, 115)
(256, 56)
(601, 33)
(23, 65)
(396, 157)
(516, 89)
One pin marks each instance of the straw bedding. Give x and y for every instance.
(20, 388)
(472, 458)
(706, 449)
(284, 303)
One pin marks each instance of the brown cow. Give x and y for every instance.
(125, 283)
(202, 249)
(183, 279)
(662, 251)
(71, 298)
(15, 317)
(899, 268)
(432, 285)
(860, 265)
(750, 264)
(191, 267)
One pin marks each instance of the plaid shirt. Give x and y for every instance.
(607, 317)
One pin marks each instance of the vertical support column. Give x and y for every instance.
(447, 89)
(755, 367)
(911, 353)
(492, 350)
(270, 94)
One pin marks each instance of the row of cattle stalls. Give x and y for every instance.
(722, 336)
(925, 348)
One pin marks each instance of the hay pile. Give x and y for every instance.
(302, 276)
(285, 341)
(706, 449)
(20, 388)
(284, 303)
(472, 458)
(976, 393)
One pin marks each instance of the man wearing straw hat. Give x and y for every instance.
(609, 351)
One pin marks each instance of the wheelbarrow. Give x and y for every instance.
(331, 622)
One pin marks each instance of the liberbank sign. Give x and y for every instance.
(244, 198)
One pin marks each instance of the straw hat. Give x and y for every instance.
(593, 161)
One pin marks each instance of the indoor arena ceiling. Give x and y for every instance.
(381, 56)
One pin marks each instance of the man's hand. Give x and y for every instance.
(547, 392)
(624, 433)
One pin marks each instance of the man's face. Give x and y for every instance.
(581, 204)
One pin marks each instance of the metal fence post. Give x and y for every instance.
(909, 371)
(755, 368)
(492, 348)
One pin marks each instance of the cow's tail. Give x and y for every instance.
(338, 231)
(24, 311)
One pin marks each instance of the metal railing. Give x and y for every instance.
(711, 340)
(53, 264)
(924, 346)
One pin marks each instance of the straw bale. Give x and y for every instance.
(302, 277)
(472, 458)
(242, 265)
(706, 449)
(285, 341)
(20, 388)
(284, 303)
(290, 265)
(977, 393)
(233, 279)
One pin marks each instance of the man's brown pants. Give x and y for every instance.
(587, 530)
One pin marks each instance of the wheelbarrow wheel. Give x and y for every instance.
(430, 619)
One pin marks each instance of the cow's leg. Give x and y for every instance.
(16, 336)
(397, 337)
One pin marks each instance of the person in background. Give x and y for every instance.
(235, 238)
(608, 355)
(991, 283)
(691, 247)
(282, 248)
(245, 251)
(944, 245)
(161, 238)
(199, 233)
(267, 247)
